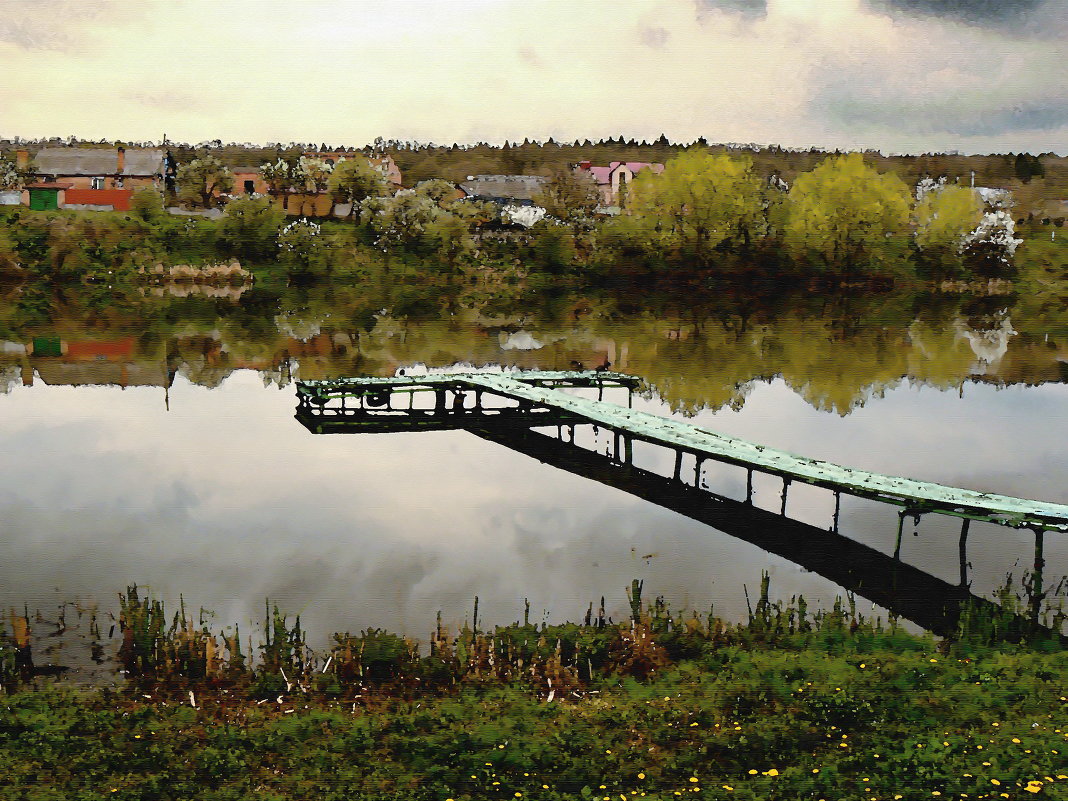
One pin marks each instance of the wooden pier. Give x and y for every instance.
(533, 399)
(528, 412)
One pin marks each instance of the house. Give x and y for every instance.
(611, 179)
(95, 178)
(504, 190)
(248, 181)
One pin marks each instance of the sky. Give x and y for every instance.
(893, 75)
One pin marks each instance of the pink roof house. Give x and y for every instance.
(617, 174)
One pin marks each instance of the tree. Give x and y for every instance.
(201, 178)
(844, 213)
(147, 204)
(424, 221)
(10, 179)
(353, 180)
(945, 217)
(569, 197)
(699, 203)
(279, 176)
(251, 226)
(312, 174)
(1028, 167)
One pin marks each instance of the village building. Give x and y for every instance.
(612, 179)
(248, 181)
(504, 190)
(94, 178)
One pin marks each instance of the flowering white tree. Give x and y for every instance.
(278, 176)
(312, 174)
(10, 179)
(522, 215)
(993, 243)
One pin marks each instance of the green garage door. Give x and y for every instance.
(44, 199)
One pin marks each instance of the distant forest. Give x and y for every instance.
(1039, 182)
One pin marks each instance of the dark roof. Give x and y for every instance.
(98, 161)
(515, 187)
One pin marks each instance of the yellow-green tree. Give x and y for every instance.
(845, 214)
(944, 218)
(699, 203)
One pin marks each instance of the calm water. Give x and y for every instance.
(152, 440)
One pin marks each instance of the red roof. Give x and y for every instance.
(48, 185)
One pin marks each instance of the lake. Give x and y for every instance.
(150, 438)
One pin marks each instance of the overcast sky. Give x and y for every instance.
(897, 75)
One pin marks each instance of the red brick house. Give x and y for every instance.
(97, 178)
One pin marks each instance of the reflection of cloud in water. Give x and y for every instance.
(228, 500)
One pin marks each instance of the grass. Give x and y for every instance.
(787, 705)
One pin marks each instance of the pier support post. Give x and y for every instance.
(697, 472)
(962, 551)
(749, 486)
(678, 466)
(1036, 593)
(837, 511)
(900, 528)
(785, 490)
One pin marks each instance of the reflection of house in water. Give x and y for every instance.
(59, 362)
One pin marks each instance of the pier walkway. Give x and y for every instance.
(532, 399)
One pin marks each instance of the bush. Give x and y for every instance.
(251, 227)
(147, 205)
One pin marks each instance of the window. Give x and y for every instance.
(98, 183)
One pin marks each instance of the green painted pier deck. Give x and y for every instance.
(535, 399)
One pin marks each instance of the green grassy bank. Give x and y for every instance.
(787, 705)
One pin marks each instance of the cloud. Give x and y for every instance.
(980, 11)
(654, 37)
(930, 116)
(58, 25)
(747, 8)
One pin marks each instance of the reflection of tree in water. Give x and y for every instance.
(700, 347)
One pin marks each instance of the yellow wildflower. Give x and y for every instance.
(994, 781)
(693, 778)
(1016, 740)
(753, 772)
(772, 772)
(641, 775)
(727, 787)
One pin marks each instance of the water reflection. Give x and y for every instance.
(142, 446)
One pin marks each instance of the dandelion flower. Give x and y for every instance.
(641, 775)
(772, 772)
(752, 772)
